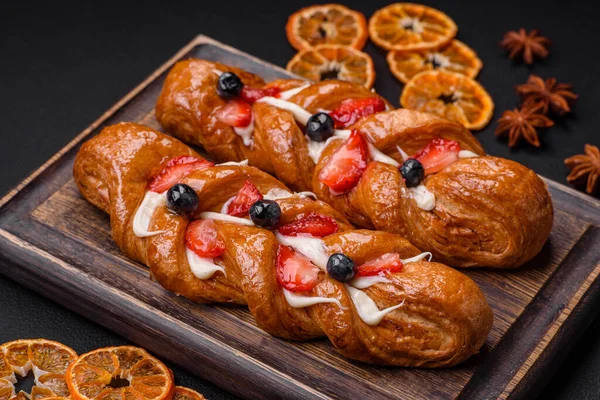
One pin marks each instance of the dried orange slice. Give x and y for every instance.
(47, 359)
(449, 95)
(125, 372)
(326, 24)
(408, 26)
(454, 57)
(182, 393)
(334, 61)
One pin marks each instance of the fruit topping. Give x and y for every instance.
(340, 267)
(236, 113)
(295, 272)
(413, 172)
(438, 154)
(229, 85)
(241, 203)
(345, 167)
(253, 94)
(182, 199)
(316, 225)
(351, 110)
(320, 127)
(176, 169)
(201, 237)
(387, 263)
(265, 213)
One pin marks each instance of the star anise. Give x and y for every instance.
(522, 123)
(582, 165)
(527, 45)
(552, 95)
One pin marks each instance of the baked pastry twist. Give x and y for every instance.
(474, 210)
(421, 314)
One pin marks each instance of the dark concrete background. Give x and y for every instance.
(63, 64)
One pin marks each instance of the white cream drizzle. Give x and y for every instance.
(402, 153)
(378, 156)
(297, 301)
(467, 154)
(246, 133)
(292, 92)
(225, 218)
(226, 204)
(202, 267)
(423, 197)
(141, 221)
(300, 114)
(277, 193)
(311, 247)
(417, 258)
(363, 282)
(242, 163)
(366, 307)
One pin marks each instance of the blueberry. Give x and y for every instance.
(182, 199)
(320, 127)
(229, 85)
(340, 267)
(413, 172)
(265, 213)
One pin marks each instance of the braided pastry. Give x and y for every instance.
(466, 208)
(391, 307)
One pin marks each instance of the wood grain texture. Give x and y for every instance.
(55, 242)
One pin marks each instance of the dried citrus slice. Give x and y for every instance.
(454, 57)
(125, 372)
(334, 61)
(450, 95)
(182, 393)
(47, 359)
(326, 24)
(408, 26)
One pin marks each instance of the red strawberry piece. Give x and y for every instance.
(317, 225)
(236, 113)
(438, 154)
(351, 110)
(176, 169)
(201, 237)
(241, 203)
(345, 167)
(295, 272)
(387, 263)
(251, 94)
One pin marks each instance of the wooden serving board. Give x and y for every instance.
(54, 242)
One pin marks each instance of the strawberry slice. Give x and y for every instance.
(176, 169)
(201, 237)
(295, 272)
(351, 110)
(385, 264)
(345, 167)
(251, 94)
(241, 203)
(317, 225)
(438, 154)
(236, 113)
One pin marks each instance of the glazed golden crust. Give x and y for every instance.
(444, 318)
(489, 211)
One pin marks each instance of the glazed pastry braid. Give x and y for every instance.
(304, 274)
(337, 139)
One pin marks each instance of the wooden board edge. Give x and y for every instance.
(482, 385)
(572, 191)
(551, 333)
(106, 115)
(14, 247)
